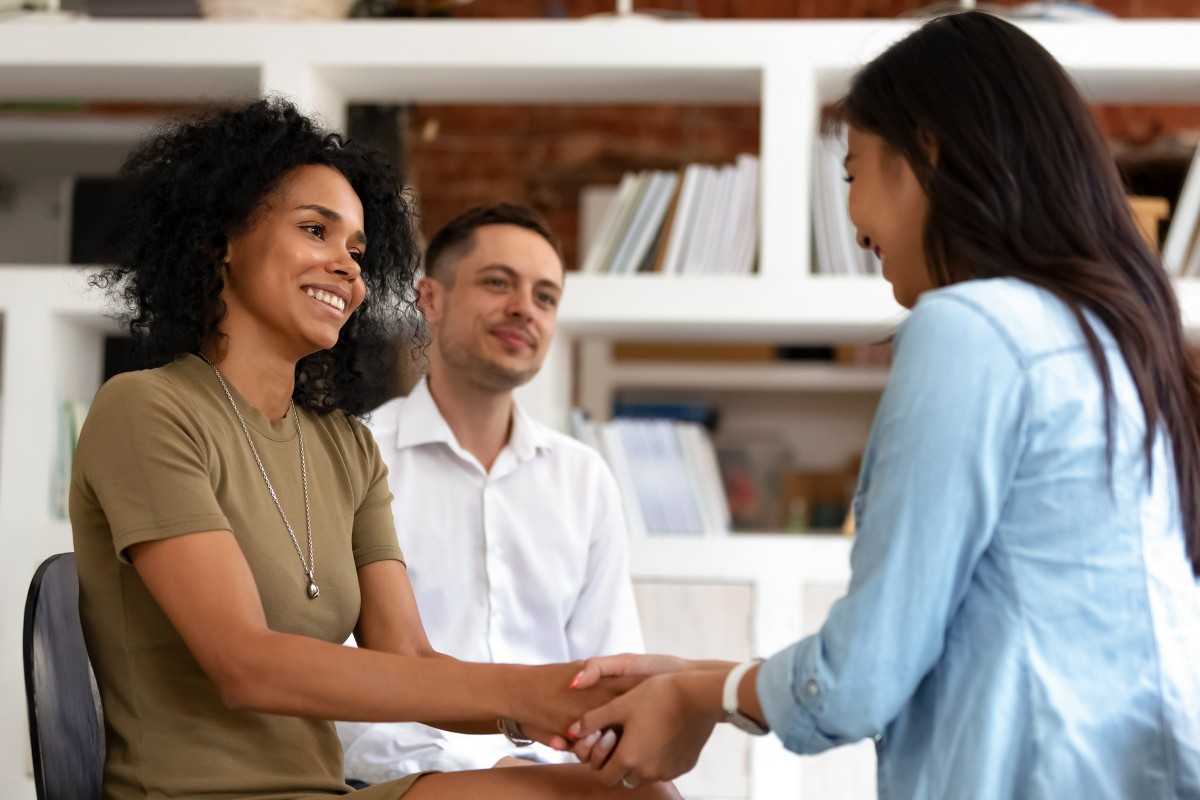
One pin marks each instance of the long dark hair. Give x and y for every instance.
(203, 180)
(1024, 186)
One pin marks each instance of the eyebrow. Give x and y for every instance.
(512, 273)
(332, 216)
(846, 160)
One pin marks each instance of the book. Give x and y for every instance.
(612, 228)
(716, 226)
(646, 223)
(1179, 243)
(666, 471)
(823, 202)
(746, 239)
(699, 219)
(601, 242)
(683, 220)
(675, 483)
(657, 263)
(614, 453)
(647, 472)
(691, 257)
(704, 474)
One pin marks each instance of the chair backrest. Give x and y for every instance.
(66, 730)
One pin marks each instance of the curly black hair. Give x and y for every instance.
(201, 181)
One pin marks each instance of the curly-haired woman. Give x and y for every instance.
(231, 517)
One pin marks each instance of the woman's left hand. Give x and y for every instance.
(663, 726)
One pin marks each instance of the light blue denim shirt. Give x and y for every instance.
(1016, 627)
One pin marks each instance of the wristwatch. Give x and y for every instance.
(512, 731)
(730, 703)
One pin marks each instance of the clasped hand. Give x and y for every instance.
(656, 728)
(551, 699)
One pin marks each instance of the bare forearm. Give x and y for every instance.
(747, 692)
(705, 686)
(394, 676)
(300, 676)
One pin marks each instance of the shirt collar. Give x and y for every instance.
(528, 438)
(422, 423)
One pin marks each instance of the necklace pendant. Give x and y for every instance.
(313, 591)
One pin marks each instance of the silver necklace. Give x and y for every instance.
(309, 566)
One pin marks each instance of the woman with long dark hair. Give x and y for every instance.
(1023, 617)
(232, 520)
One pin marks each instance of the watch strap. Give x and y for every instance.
(729, 700)
(512, 731)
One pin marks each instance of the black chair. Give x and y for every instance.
(66, 730)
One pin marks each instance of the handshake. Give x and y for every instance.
(636, 718)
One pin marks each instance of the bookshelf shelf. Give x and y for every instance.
(785, 376)
(797, 308)
(744, 557)
(72, 128)
(53, 329)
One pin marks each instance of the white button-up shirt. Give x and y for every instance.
(527, 564)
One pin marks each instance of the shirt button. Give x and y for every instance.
(812, 688)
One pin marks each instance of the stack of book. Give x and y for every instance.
(667, 472)
(702, 220)
(836, 248)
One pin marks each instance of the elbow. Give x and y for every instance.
(241, 684)
(239, 695)
(238, 692)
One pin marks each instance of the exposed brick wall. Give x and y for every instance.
(461, 156)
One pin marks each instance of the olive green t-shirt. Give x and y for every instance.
(161, 455)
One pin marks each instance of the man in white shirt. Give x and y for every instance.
(513, 533)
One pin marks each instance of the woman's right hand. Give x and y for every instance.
(550, 700)
(603, 672)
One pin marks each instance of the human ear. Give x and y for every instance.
(930, 145)
(225, 254)
(429, 298)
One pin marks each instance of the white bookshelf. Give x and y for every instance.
(52, 334)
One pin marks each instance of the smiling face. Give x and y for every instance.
(889, 207)
(292, 277)
(493, 324)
